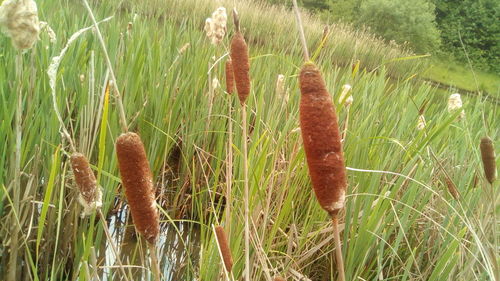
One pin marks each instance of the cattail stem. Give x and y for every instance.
(246, 195)
(301, 31)
(229, 167)
(113, 246)
(12, 267)
(154, 261)
(121, 108)
(338, 247)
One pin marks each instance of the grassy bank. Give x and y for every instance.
(395, 227)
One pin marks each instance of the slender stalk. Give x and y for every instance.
(346, 125)
(121, 109)
(113, 246)
(338, 247)
(155, 265)
(12, 267)
(246, 196)
(229, 168)
(301, 31)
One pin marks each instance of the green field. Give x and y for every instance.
(400, 221)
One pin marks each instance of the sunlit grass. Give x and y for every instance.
(396, 227)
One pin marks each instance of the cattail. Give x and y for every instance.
(421, 123)
(90, 194)
(488, 156)
(229, 76)
(241, 66)
(19, 21)
(215, 27)
(224, 248)
(137, 179)
(322, 143)
(279, 278)
(454, 104)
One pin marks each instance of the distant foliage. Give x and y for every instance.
(402, 22)
(477, 23)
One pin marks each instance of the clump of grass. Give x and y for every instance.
(488, 157)
(225, 250)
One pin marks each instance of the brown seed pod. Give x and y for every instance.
(84, 177)
(224, 248)
(241, 66)
(321, 137)
(90, 193)
(137, 179)
(488, 156)
(229, 76)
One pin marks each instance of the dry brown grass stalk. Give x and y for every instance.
(137, 179)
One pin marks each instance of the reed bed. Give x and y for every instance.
(403, 223)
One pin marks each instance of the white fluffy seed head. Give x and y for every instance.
(19, 21)
(215, 27)
(90, 207)
(343, 96)
(421, 123)
(454, 104)
(215, 83)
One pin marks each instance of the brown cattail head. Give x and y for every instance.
(137, 179)
(321, 137)
(241, 66)
(90, 193)
(488, 156)
(224, 248)
(229, 76)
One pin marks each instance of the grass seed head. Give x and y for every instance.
(488, 157)
(90, 194)
(224, 248)
(19, 21)
(137, 179)
(229, 76)
(322, 142)
(241, 66)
